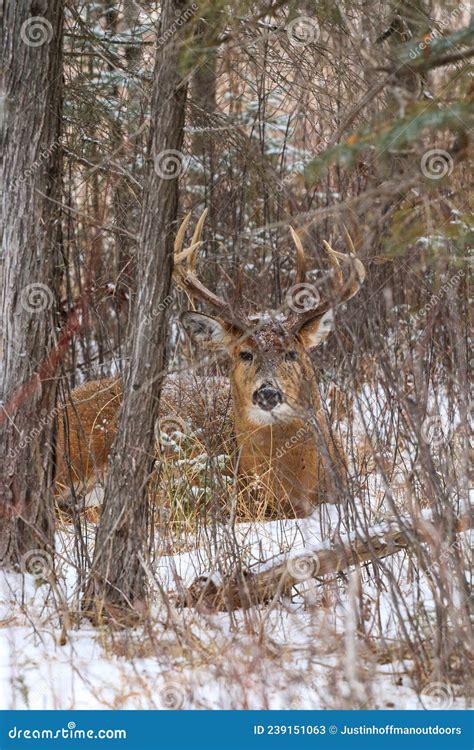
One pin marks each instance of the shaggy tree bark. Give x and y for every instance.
(117, 584)
(30, 279)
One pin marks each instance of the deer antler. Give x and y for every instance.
(184, 273)
(343, 290)
(300, 258)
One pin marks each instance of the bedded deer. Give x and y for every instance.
(284, 445)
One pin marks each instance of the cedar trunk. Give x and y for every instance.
(117, 583)
(30, 278)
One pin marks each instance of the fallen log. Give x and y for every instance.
(246, 589)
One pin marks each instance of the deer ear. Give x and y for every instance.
(314, 332)
(211, 332)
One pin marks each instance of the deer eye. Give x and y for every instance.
(246, 356)
(291, 356)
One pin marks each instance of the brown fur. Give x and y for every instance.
(86, 431)
(293, 473)
(88, 422)
(282, 468)
(285, 452)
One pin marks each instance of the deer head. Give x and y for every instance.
(270, 366)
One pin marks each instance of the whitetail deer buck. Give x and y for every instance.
(283, 444)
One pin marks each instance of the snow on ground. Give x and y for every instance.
(299, 654)
(302, 652)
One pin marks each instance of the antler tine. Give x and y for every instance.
(300, 257)
(190, 253)
(349, 258)
(357, 275)
(184, 271)
(344, 290)
(185, 254)
(196, 240)
(352, 249)
(179, 239)
(334, 260)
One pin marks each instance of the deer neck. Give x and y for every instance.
(282, 455)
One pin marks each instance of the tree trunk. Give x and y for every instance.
(30, 280)
(117, 584)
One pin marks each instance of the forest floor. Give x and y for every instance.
(303, 653)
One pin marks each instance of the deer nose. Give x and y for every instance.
(267, 397)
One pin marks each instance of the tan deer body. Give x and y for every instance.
(278, 452)
(286, 458)
(86, 431)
